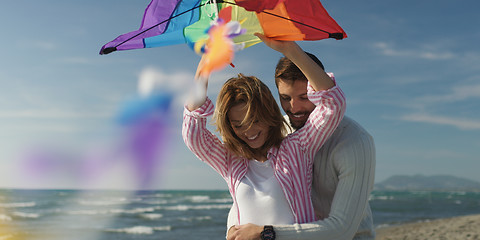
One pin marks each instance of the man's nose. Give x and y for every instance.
(294, 106)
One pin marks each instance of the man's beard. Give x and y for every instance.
(297, 124)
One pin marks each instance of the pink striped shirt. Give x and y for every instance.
(292, 161)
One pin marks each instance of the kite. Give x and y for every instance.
(219, 48)
(169, 22)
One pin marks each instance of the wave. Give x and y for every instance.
(381, 197)
(151, 216)
(140, 230)
(119, 201)
(195, 207)
(26, 215)
(222, 200)
(148, 212)
(5, 218)
(18, 205)
(133, 211)
(191, 219)
(111, 211)
(154, 202)
(88, 212)
(162, 195)
(206, 198)
(199, 198)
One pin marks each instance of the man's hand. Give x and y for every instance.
(245, 232)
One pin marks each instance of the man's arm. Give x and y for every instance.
(354, 160)
(355, 163)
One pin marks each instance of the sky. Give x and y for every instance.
(410, 71)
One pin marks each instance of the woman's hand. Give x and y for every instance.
(285, 47)
(198, 94)
(312, 71)
(245, 232)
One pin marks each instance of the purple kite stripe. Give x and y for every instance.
(156, 12)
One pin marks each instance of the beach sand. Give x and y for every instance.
(461, 228)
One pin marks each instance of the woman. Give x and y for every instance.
(268, 175)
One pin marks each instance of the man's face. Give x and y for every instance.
(295, 103)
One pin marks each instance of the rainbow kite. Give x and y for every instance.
(169, 22)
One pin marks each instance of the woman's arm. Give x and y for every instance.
(324, 119)
(313, 72)
(201, 142)
(322, 91)
(198, 95)
(204, 144)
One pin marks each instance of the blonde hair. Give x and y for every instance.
(261, 107)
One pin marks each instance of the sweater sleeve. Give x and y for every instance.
(203, 143)
(354, 160)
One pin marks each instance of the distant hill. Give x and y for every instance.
(421, 182)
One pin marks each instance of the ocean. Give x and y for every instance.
(194, 215)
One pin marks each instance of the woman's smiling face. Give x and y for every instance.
(255, 136)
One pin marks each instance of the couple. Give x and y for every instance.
(269, 175)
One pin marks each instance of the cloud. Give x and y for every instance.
(180, 84)
(461, 123)
(52, 114)
(422, 53)
(31, 131)
(458, 93)
(452, 100)
(153, 78)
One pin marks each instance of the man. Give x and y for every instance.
(343, 174)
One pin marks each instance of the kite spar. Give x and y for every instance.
(169, 22)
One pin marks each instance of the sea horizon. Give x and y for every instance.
(175, 213)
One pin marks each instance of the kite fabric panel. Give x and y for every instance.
(169, 22)
(307, 20)
(257, 6)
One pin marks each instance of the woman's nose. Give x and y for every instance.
(247, 132)
(250, 131)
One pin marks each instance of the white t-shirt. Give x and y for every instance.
(260, 197)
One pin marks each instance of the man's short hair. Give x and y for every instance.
(287, 71)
